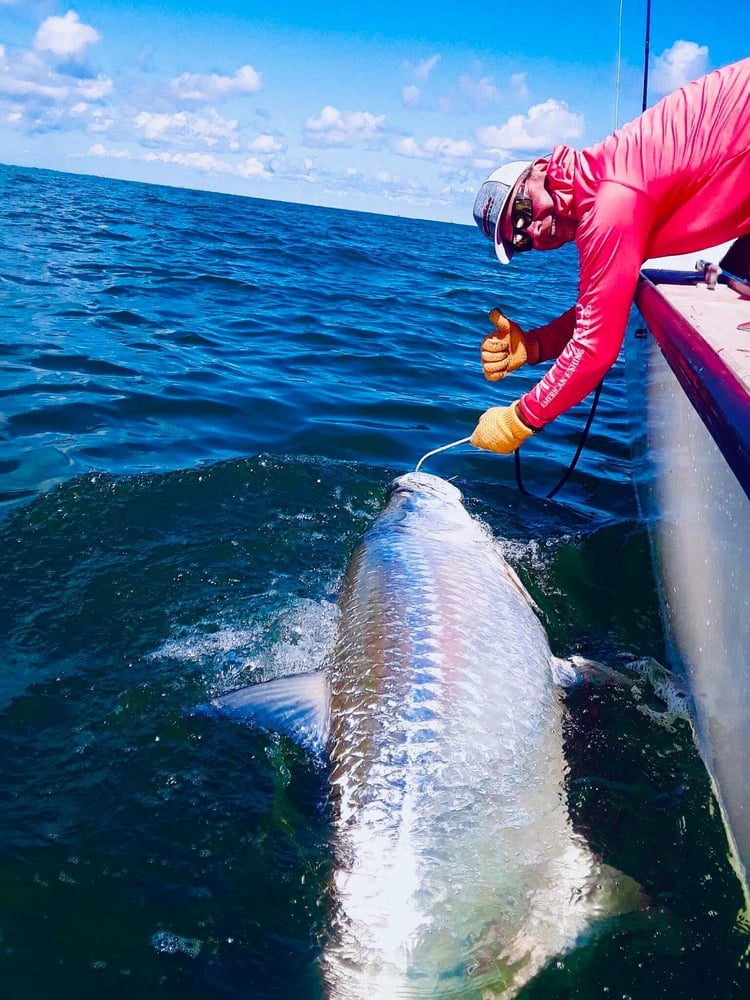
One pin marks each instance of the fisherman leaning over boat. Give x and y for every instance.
(675, 180)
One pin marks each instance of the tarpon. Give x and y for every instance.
(456, 869)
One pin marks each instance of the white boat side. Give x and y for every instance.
(689, 398)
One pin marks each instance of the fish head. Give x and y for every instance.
(425, 482)
(424, 497)
(425, 489)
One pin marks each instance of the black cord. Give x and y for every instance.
(579, 449)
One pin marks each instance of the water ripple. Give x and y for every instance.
(365, 326)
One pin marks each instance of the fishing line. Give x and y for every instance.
(566, 475)
(445, 447)
(517, 456)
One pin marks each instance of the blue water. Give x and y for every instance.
(203, 399)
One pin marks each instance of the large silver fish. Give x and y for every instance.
(457, 872)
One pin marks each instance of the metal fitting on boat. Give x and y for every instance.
(709, 271)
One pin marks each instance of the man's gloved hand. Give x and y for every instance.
(508, 349)
(500, 429)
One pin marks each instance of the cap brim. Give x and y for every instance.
(491, 203)
(503, 252)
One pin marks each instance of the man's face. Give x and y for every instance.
(545, 230)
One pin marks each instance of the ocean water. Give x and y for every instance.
(203, 399)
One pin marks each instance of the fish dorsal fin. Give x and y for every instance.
(297, 706)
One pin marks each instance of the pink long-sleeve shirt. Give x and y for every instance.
(675, 180)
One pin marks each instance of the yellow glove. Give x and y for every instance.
(508, 349)
(500, 429)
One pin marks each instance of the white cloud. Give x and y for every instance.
(542, 127)
(411, 93)
(249, 168)
(425, 67)
(13, 87)
(409, 147)
(421, 70)
(685, 61)
(98, 121)
(435, 148)
(94, 89)
(206, 162)
(447, 149)
(411, 96)
(38, 97)
(267, 144)
(519, 86)
(185, 127)
(36, 91)
(154, 125)
(481, 92)
(198, 87)
(252, 168)
(98, 149)
(65, 36)
(343, 128)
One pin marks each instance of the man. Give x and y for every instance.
(675, 180)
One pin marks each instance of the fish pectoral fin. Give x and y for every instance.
(298, 706)
(612, 893)
(578, 670)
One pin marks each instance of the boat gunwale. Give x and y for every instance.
(718, 395)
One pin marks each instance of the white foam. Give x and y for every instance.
(169, 943)
(303, 634)
(669, 688)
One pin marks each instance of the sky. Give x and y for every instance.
(401, 108)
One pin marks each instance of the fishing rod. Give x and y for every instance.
(585, 434)
(581, 443)
(646, 48)
(597, 393)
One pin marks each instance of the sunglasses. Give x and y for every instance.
(521, 217)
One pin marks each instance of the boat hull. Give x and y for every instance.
(690, 423)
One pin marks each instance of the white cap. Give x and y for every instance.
(490, 203)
